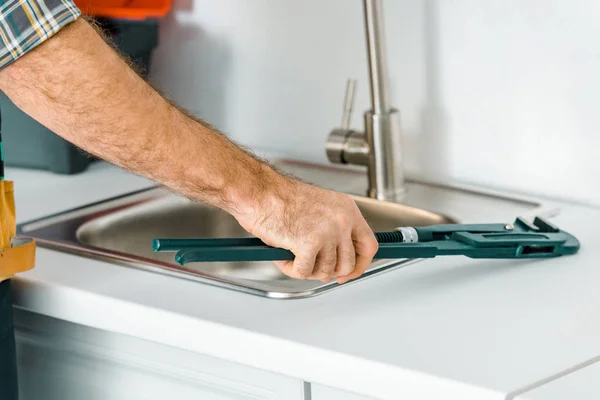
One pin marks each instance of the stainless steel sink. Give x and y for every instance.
(121, 229)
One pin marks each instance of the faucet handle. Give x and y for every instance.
(348, 103)
(345, 146)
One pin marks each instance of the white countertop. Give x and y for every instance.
(582, 384)
(443, 328)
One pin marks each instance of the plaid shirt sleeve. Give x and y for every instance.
(25, 24)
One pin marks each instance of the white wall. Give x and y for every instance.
(497, 92)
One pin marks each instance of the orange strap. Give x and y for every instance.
(18, 258)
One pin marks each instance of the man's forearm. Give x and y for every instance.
(78, 87)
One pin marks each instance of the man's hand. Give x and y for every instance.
(77, 86)
(324, 229)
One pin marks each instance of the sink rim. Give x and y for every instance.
(68, 243)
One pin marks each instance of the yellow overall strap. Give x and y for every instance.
(19, 258)
(16, 255)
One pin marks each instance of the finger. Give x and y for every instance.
(346, 257)
(325, 263)
(304, 263)
(302, 266)
(285, 267)
(365, 246)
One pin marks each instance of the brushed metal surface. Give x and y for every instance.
(132, 230)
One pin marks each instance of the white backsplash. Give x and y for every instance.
(501, 93)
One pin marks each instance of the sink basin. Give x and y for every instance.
(131, 230)
(121, 229)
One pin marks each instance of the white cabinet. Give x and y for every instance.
(319, 392)
(583, 384)
(64, 361)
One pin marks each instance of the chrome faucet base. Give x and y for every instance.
(385, 169)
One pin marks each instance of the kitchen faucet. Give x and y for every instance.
(379, 146)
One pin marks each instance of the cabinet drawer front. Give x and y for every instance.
(63, 361)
